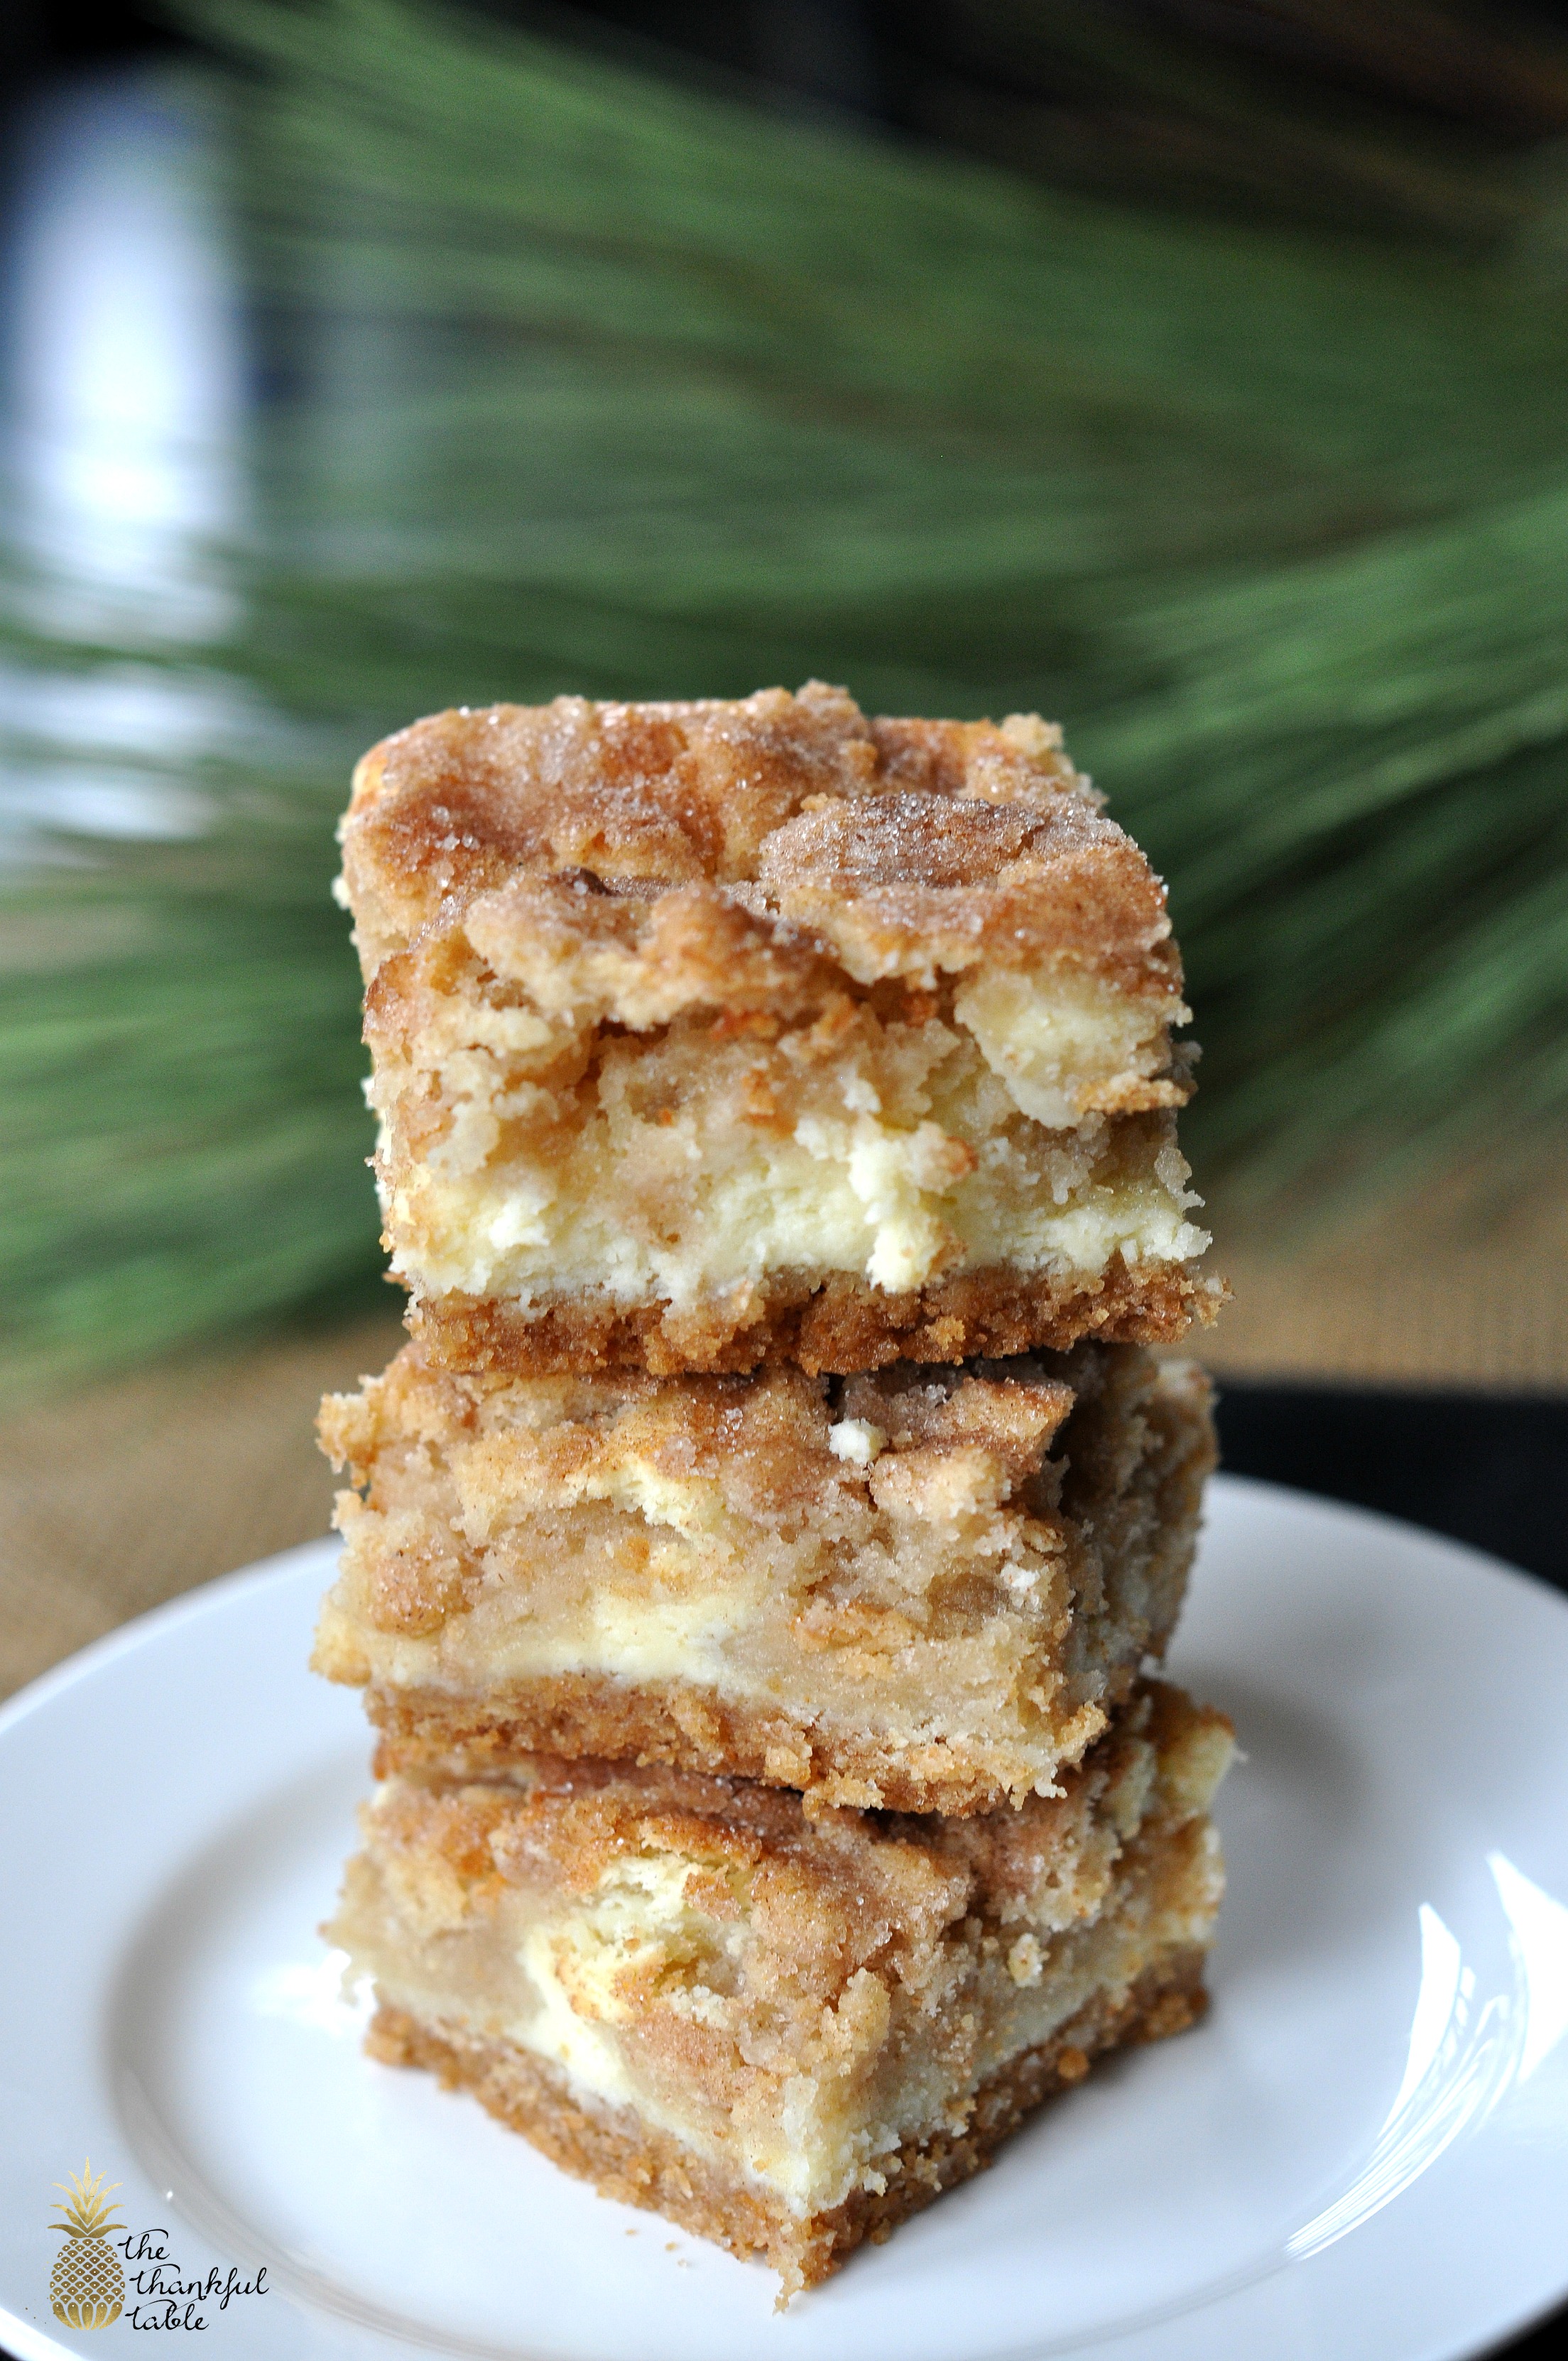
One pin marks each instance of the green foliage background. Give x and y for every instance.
(590, 378)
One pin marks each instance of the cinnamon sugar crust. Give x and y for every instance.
(703, 1033)
(786, 2030)
(805, 793)
(923, 1588)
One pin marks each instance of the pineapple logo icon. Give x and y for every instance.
(87, 2287)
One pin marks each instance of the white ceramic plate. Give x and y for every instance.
(1363, 2156)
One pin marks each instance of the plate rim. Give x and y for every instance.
(124, 1639)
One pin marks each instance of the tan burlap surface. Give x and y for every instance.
(121, 1495)
(116, 1497)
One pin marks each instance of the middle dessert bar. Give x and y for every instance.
(925, 1588)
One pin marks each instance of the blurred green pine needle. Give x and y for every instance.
(597, 382)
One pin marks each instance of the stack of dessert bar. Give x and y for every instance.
(756, 1558)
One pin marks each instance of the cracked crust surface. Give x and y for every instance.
(909, 842)
(709, 1033)
(922, 1587)
(636, 2164)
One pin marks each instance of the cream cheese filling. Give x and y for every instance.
(686, 1639)
(1056, 1043)
(942, 1708)
(809, 2154)
(929, 1150)
(637, 1921)
(840, 1198)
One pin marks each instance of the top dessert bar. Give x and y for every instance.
(718, 1032)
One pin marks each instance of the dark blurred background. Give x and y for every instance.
(1178, 101)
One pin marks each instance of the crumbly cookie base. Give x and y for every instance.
(630, 2161)
(839, 1322)
(585, 1714)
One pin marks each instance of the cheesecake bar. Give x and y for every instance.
(711, 1034)
(784, 2033)
(923, 1587)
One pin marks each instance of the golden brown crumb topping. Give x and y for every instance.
(715, 851)
(772, 1443)
(833, 1890)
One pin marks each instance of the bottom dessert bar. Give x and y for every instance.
(785, 2032)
